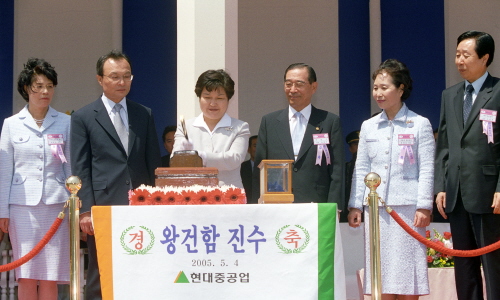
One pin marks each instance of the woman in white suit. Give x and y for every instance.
(34, 164)
(221, 141)
(398, 145)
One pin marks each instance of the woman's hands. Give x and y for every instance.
(186, 145)
(422, 218)
(354, 217)
(4, 224)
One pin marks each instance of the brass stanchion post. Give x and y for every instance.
(73, 184)
(372, 181)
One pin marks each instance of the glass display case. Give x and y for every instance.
(276, 181)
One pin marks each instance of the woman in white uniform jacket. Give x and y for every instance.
(398, 145)
(34, 165)
(221, 141)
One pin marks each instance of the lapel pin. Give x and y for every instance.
(317, 128)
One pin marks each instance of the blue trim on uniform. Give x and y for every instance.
(413, 32)
(150, 40)
(6, 57)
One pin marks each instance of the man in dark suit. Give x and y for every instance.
(288, 134)
(168, 143)
(352, 139)
(247, 167)
(468, 164)
(114, 148)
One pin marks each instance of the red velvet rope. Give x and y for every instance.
(50, 233)
(438, 247)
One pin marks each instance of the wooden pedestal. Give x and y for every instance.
(276, 198)
(186, 176)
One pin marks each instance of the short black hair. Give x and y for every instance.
(32, 68)
(484, 43)
(214, 79)
(168, 129)
(399, 73)
(114, 54)
(310, 71)
(250, 139)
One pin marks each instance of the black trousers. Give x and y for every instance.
(93, 284)
(471, 231)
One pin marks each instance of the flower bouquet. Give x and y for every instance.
(437, 259)
(186, 195)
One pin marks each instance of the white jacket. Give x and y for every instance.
(379, 150)
(29, 173)
(226, 148)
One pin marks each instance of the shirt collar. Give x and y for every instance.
(109, 104)
(24, 113)
(478, 83)
(306, 112)
(225, 121)
(400, 116)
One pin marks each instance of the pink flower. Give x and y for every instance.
(173, 198)
(215, 197)
(139, 197)
(158, 198)
(188, 197)
(202, 197)
(234, 196)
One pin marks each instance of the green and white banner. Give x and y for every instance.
(272, 251)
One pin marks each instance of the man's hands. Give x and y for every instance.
(86, 223)
(496, 203)
(441, 203)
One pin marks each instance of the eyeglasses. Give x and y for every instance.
(297, 84)
(36, 88)
(116, 78)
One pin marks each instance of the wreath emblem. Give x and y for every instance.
(288, 250)
(135, 251)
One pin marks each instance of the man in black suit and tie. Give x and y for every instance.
(114, 148)
(317, 175)
(468, 164)
(247, 167)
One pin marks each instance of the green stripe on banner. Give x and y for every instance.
(327, 215)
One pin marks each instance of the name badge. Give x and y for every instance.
(488, 115)
(406, 139)
(321, 139)
(55, 139)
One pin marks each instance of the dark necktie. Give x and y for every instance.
(468, 101)
(120, 126)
